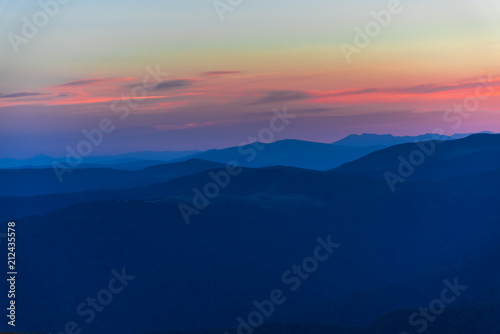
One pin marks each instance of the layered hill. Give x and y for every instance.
(292, 153)
(30, 182)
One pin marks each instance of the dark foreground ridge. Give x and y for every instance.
(125, 261)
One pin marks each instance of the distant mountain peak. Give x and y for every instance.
(371, 139)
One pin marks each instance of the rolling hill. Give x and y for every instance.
(292, 153)
(392, 252)
(431, 159)
(31, 182)
(395, 250)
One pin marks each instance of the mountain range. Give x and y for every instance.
(293, 153)
(120, 160)
(396, 249)
(370, 139)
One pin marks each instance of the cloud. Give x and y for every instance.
(174, 84)
(82, 82)
(441, 91)
(313, 111)
(282, 96)
(356, 92)
(426, 89)
(14, 95)
(217, 73)
(88, 82)
(194, 125)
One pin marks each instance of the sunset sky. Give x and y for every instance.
(226, 76)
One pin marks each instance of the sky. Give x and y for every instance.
(221, 67)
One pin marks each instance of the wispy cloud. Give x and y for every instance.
(82, 82)
(282, 96)
(93, 81)
(430, 88)
(23, 94)
(195, 125)
(219, 73)
(175, 84)
(355, 92)
(250, 76)
(442, 91)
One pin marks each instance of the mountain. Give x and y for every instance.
(277, 328)
(339, 248)
(46, 161)
(465, 320)
(149, 155)
(293, 153)
(431, 159)
(31, 182)
(123, 164)
(39, 160)
(475, 154)
(395, 251)
(370, 139)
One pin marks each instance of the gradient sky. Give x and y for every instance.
(225, 77)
